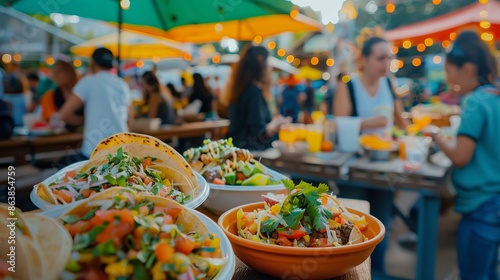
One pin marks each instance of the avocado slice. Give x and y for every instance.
(258, 168)
(230, 178)
(256, 180)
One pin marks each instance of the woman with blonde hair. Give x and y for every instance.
(252, 126)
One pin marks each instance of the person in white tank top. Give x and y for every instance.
(369, 94)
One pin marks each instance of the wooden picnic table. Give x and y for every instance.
(21, 146)
(361, 173)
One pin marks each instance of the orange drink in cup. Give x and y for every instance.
(287, 134)
(422, 120)
(300, 132)
(314, 137)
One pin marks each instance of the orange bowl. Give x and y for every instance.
(300, 263)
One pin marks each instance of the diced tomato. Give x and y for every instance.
(101, 216)
(218, 181)
(69, 174)
(320, 242)
(184, 244)
(146, 162)
(339, 220)
(114, 232)
(324, 200)
(170, 210)
(240, 177)
(144, 210)
(66, 195)
(164, 252)
(283, 241)
(86, 193)
(93, 273)
(168, 220)
(293, 233)
(78, 227)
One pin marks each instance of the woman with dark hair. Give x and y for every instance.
(252, 126)
(369, 94)
(201, 92)
(157, 99)
(471, 71)
(173, 91)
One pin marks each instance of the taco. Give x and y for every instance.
(119, 234)
(121, 169)
(141, 145)
(41, 246)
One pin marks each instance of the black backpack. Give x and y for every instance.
(6, 120)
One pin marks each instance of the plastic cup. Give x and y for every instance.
(348, 133)
(414, 151)
(314, 137)
(287, 134)
(300, 132)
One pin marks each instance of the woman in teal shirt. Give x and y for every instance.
(471, 71)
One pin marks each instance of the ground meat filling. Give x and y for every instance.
(345, 232)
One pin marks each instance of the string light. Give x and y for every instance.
(436, 59)
(296, 61)
(314, 60)
(271, 45)
(453, 36)
(77, 63)
(50, 60)
(290, 58)
(428, 42)
(401, 64)
(483, 13)
(416, 62)
(17, 57)
(218, 28)
(445, 44)
(330, 62)
(394, 49)
(420, 47)
(390, 8)
(281, 52)
(257, 39)
(436, 2)
(125, 4)
(407, 44)
(6, 58)
(485, 24)
(346, 78)
(326, 76)
(156, 59)
(485, 36)
(216, 59)
(139, 64)
(483, 1)
(187, 57)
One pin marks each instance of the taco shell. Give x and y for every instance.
(141, 145)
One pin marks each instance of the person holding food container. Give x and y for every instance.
(106, 100)
(252, 126)
(471, 71)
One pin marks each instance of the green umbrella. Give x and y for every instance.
(194, 21)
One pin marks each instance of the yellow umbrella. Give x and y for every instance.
(309, 73)
(134, 45)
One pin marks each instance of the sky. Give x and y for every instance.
(329, 9)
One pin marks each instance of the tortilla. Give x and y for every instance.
(54, 243)
(185, 218)
(141, 145)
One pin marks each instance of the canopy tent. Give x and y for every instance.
(482, 17)
(134, 45)
(273, 62)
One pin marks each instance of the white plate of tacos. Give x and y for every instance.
(119, 233)
(135, 161)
